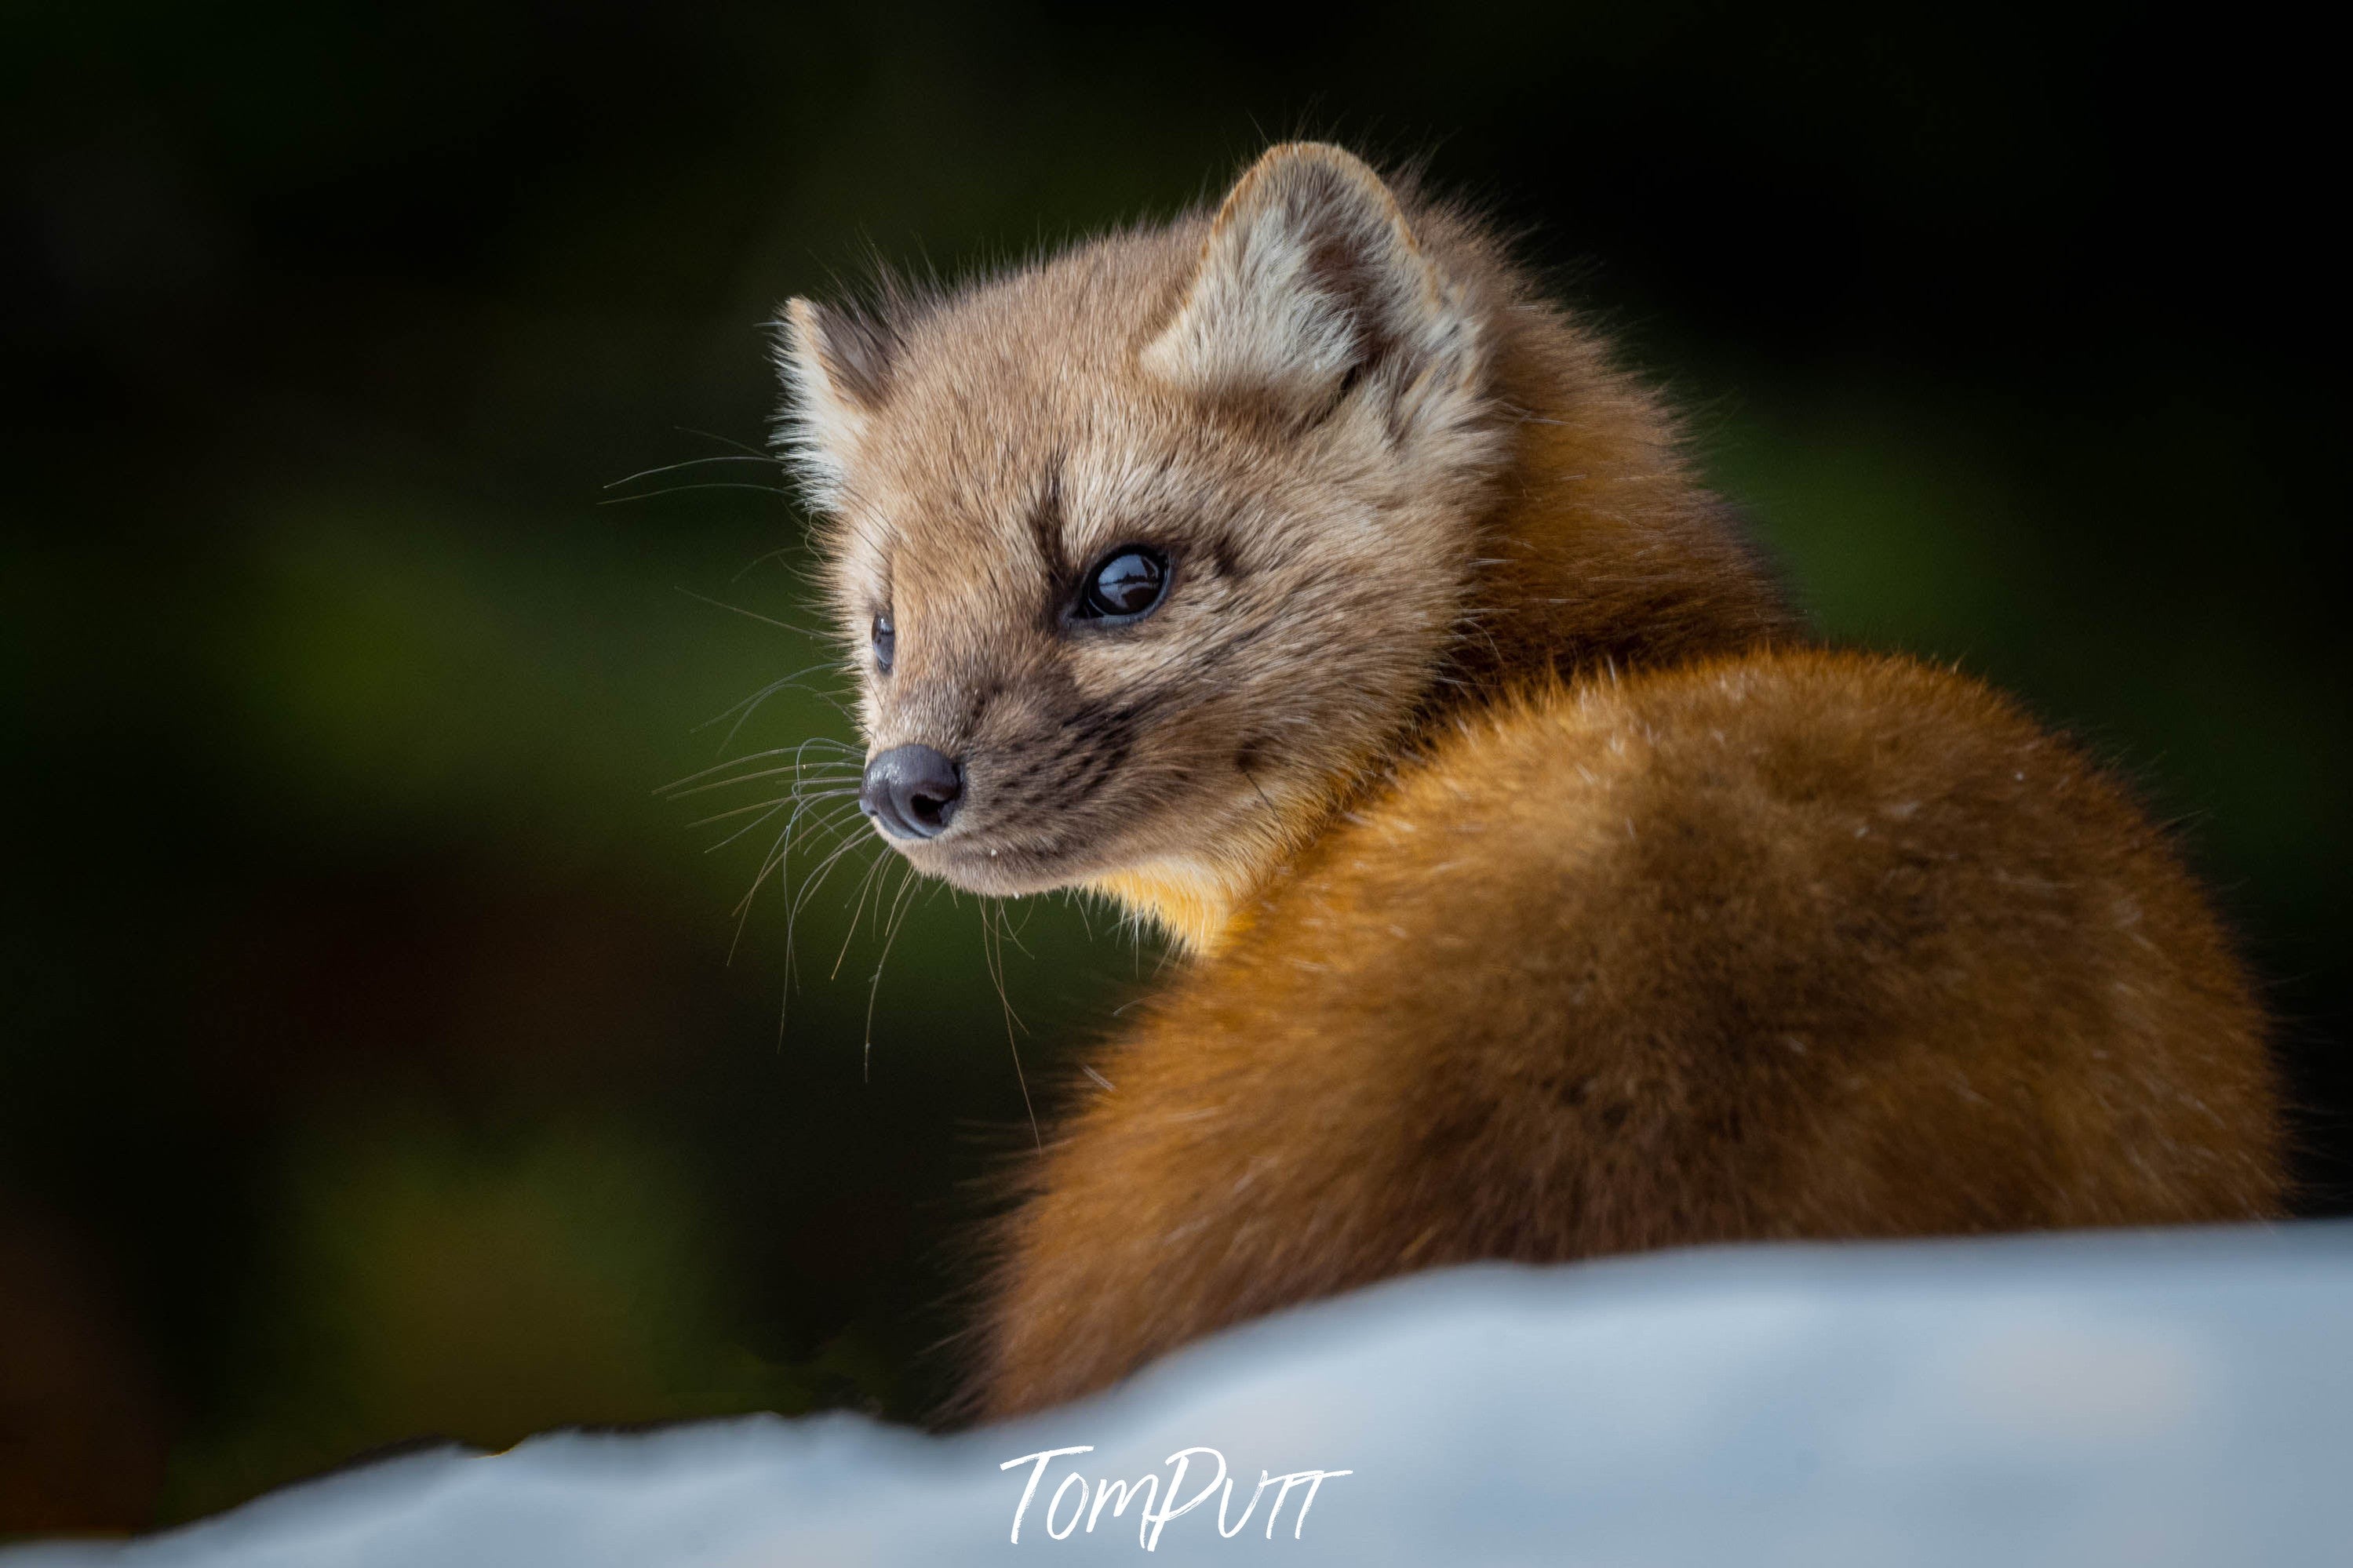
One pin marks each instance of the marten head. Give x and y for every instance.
(1145, 551)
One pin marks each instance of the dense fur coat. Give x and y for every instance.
(1546, 893)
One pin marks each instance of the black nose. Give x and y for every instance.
(911, 791)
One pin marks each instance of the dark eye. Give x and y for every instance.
(1130, 583)
(885, 636)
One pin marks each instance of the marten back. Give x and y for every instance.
(1300, 577)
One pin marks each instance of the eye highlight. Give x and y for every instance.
(1125, 585)
(886, 636)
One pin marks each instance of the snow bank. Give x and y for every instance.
(2128, 1398)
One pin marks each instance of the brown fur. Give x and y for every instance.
(1547, 896)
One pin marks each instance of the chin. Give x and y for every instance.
(992, 870)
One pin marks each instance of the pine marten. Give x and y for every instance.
(1300, 577)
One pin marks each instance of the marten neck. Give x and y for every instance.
(1602, 552)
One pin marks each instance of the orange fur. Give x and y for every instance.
(1782, 944)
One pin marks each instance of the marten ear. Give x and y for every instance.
(837, 366)
(1310, 277)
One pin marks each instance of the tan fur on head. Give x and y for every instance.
(1294, 401)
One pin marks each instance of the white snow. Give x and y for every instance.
(2142, 1398)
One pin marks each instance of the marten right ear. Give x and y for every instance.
(1310, 280)
(837, 367)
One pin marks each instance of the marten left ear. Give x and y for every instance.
(837, 364)
(1311, 282)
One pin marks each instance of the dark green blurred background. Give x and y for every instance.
(373, 1062)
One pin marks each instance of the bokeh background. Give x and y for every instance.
(382, 1057)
